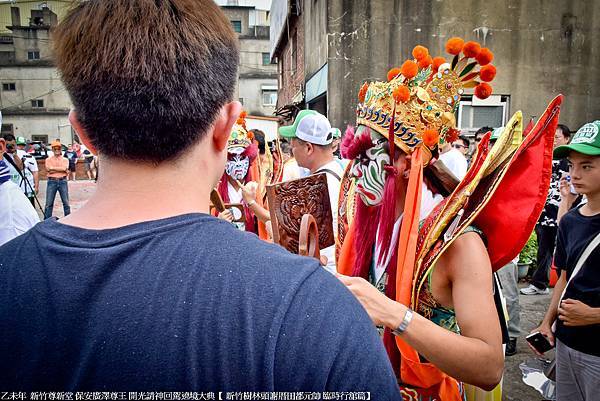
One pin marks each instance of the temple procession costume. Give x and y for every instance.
(241, 168)
(413, 112)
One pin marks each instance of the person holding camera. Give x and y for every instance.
(575, 305)
(16, 214)
(58, 168)
(30, 181)
(12, 159)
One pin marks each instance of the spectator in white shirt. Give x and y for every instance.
(31, 184)
(311, 138)
(16, 214)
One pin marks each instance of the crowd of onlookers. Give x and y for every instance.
(20, 162)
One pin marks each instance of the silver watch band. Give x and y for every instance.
(405, 322)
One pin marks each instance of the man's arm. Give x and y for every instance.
(467, 265)
(575, 313)
(36, 181)
(546, 326)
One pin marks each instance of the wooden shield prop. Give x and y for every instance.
(289, 201)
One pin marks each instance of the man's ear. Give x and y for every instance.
(310, 148)
(81, 132)
(2, 146)
(223, 123)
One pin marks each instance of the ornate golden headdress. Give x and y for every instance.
(240, 138)
(423, 95)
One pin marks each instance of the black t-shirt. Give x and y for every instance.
(187, 303)
(574, 234)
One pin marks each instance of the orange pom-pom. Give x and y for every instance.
(363, 92)
(483, 90)
(420, 52)
(393, 73)
(401, 94)
(425, 62)
(487, 73)
(485, 56)
(454, 45)
(409, 69)
(471, 49)
(241, 120)
(437, 61)
(430, 137)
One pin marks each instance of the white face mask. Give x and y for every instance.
(237, 167)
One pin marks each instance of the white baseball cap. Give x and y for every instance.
(310, 126)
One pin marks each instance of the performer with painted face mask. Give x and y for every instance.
(238, 176)
(418, 248)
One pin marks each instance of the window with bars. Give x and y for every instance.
(269, 97)
(266, 59)
(237, 26)
(33, 55)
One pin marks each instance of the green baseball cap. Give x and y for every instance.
(21, 141)
(289, 131)
(585, 141)
(310, 126)
(337, 134)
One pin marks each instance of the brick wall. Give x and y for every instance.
(291, 84)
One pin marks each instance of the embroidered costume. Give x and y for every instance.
(239, 169)
(414, 112)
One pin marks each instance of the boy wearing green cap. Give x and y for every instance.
(575, 304)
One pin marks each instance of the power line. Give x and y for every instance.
(51, 91)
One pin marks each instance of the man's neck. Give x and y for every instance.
(320, 162)
(129, 193)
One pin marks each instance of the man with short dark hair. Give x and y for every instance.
(462, 145)
(71, 156)
(480, 133)
(141, 289)
(575, 304)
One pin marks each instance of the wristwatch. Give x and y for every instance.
(404, 324)
(252, 202)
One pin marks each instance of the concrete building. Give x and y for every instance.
(58, 7)
(257, 84)
(541, 49)
(33, 100)
(287, 50)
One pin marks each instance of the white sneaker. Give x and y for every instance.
(533, 290)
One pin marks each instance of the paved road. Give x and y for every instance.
(533, 307)
(79, 192)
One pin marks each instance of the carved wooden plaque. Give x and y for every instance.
(290, 200)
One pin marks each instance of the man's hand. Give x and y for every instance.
(382, 310)
(546, 330)
(575, 313)
(565, 191)
(226, 215)
(249, 192)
